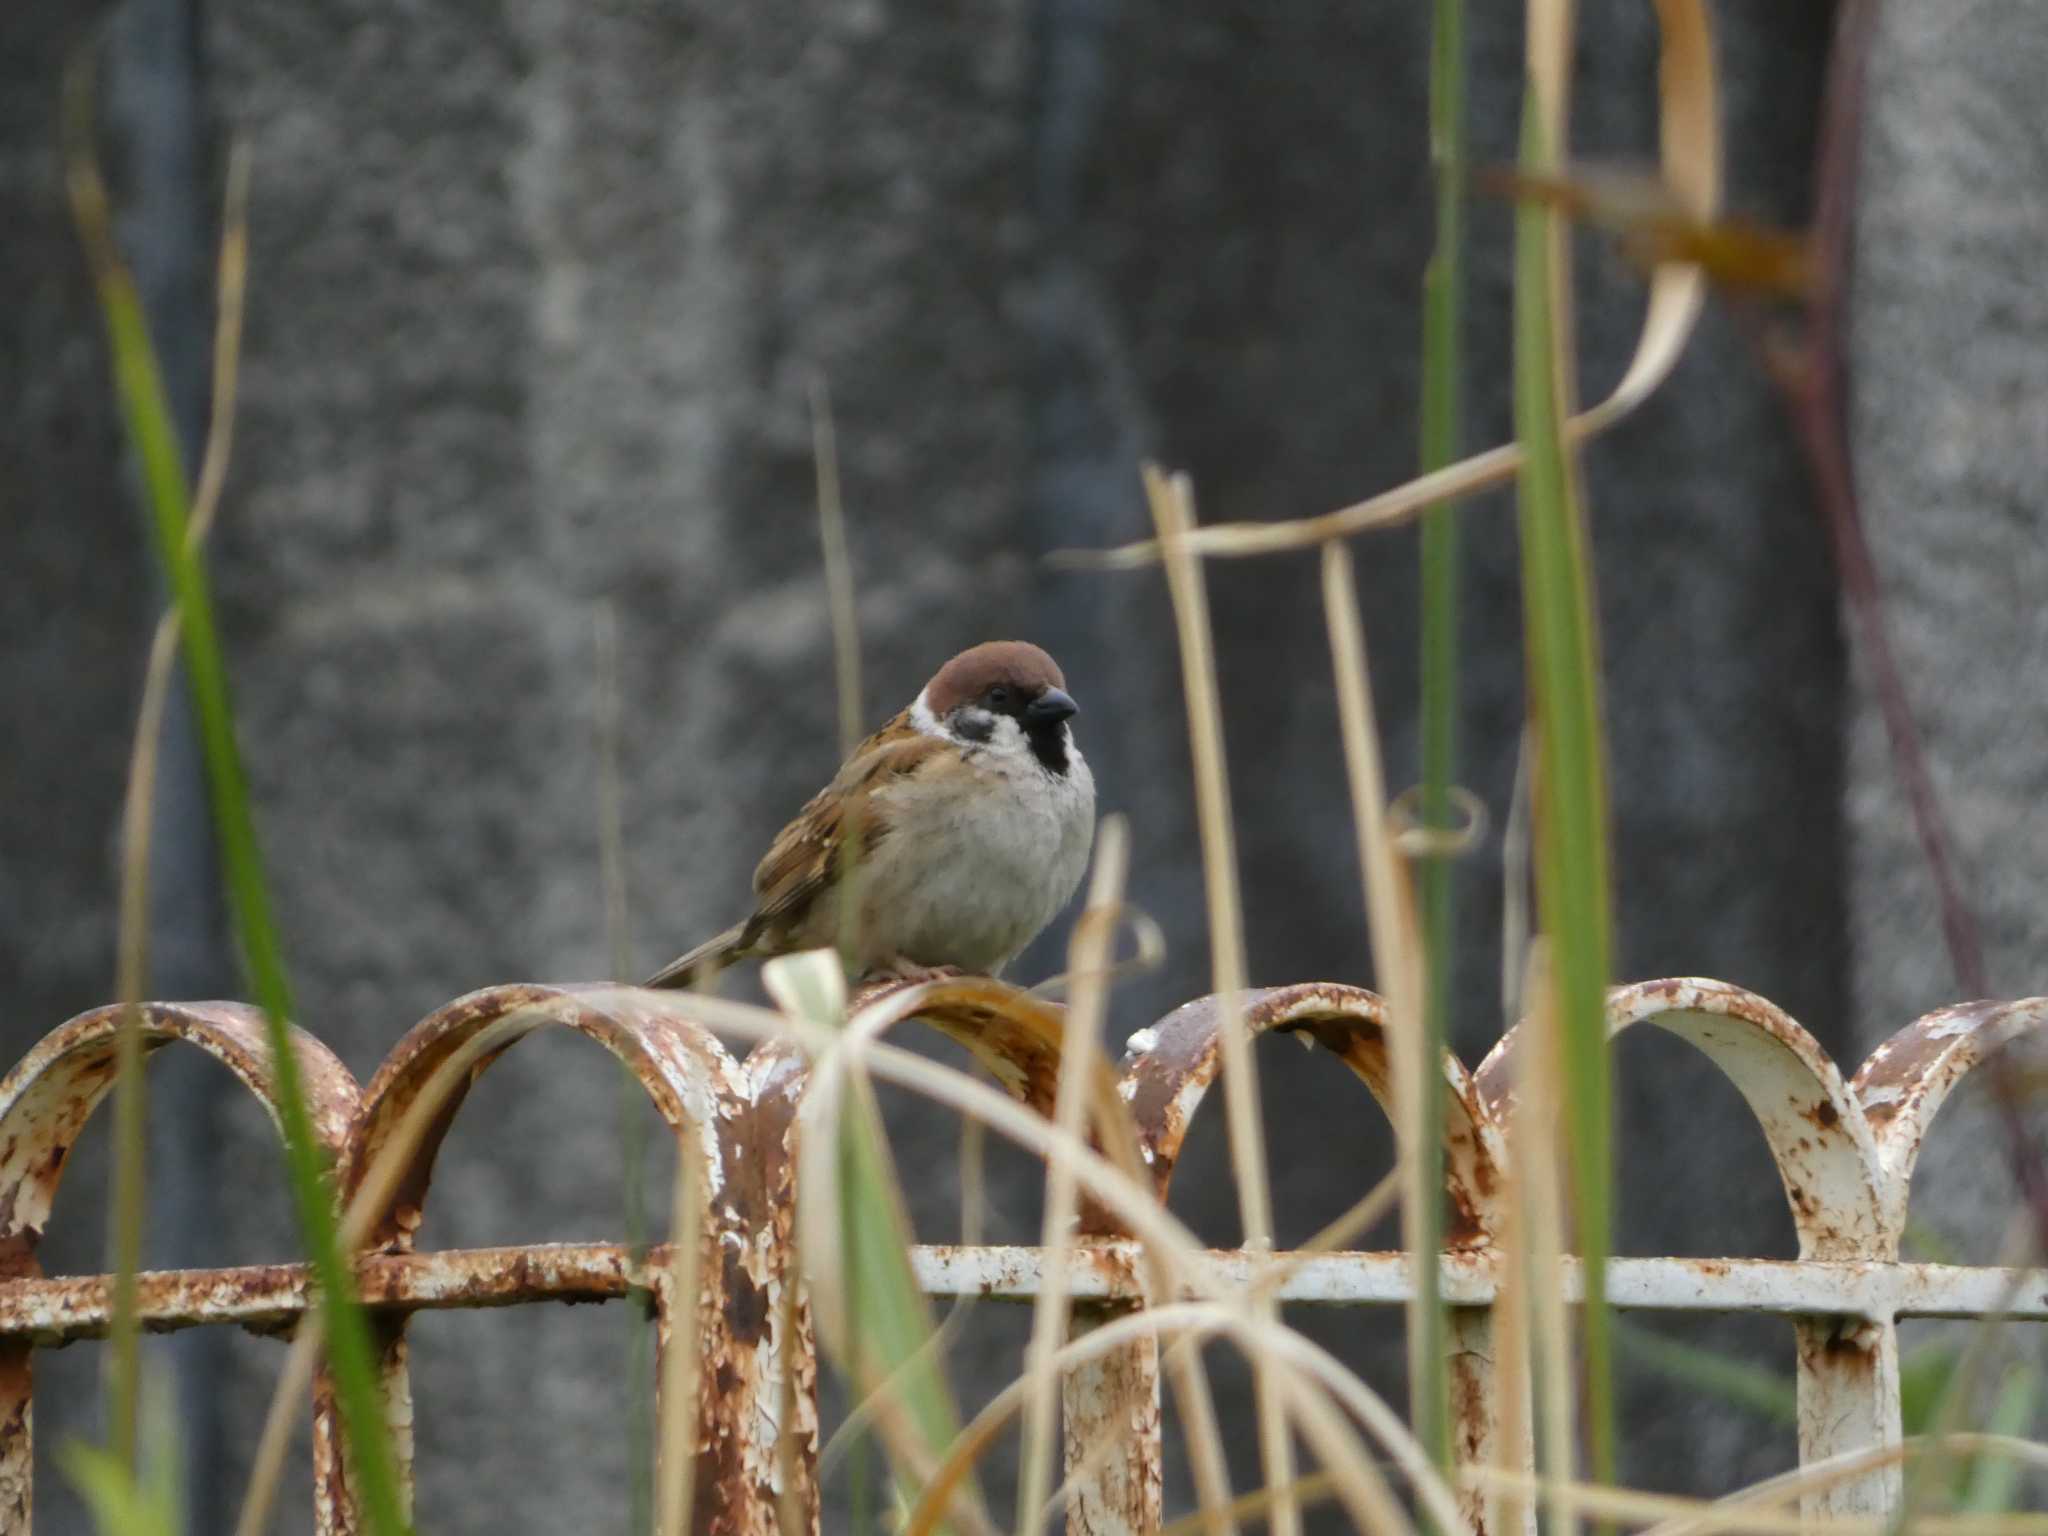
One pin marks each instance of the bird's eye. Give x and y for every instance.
(999, 697)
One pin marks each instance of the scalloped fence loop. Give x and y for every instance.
(1845, 1154)
(44, 1104)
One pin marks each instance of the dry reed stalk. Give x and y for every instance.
(1397, 958)
(1317, 1488)
(863, 1413)
(838, 567)
(1516, 846)
(1360, 1217)
(130, 1094)
(1313, 1384)
(1503, 1511)
(611, 814)
(2015, 1252)
(1537, 1219)
(1172, 503)
(1845, 1466)
(138, 814)
(676, 1468)
(1703, 1517)
(1088, 959)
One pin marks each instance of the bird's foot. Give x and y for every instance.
(903, 968)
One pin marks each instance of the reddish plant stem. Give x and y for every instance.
(1813, 379)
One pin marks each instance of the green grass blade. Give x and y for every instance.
(1995, 1480)
(1770, 1395)
(1572, 888)
(122, 1502)
(1442, 303)
(146, 415)
(889, 1341)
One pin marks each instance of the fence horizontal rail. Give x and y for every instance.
(1780, 1286)
(270, 1298)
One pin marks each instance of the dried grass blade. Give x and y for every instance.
(1172, 504)
(838, 566)
(1690, 162)
(1442, 306)
(137, 834)
(676, 1467)
(1398, 968)
(1535, 1248)
(1088, 961)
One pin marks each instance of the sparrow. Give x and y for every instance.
(963, 827)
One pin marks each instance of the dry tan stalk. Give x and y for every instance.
(131, 965)
(838, 567)
(2015, 1252)
(676, 1470)
(1705, 1516)
(230, 289)
(1539, 1202)
(138, 813)
(1362, 1215)
(1173, 515)
(1396, 947)
(1413, 840)
(1149, 954)
(1819, 1476)
(611, 814)
(1515, 922)
(1088, 958)
(1310, 1381)
(864, 1412)
(1508, 1510)
(1317, 1488)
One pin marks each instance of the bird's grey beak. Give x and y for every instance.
(1050, 708)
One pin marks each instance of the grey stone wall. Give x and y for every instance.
(537, 291)
(1950, 427)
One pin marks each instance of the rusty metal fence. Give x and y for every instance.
(1845, 1150)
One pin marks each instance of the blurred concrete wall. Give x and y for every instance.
(1950, 426)
(537, 291)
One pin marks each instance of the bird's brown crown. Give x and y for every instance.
(1016, 663)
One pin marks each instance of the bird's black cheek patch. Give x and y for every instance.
(973, 725)
(1050, 748)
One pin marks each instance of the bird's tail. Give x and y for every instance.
(705, 961)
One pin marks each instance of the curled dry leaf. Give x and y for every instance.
(1690, 165)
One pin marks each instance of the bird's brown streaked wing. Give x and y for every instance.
(801, 860)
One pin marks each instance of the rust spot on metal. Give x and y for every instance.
(1113, 1401)
(1173, 1064)
(746, 1309)
(1472, 1412)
